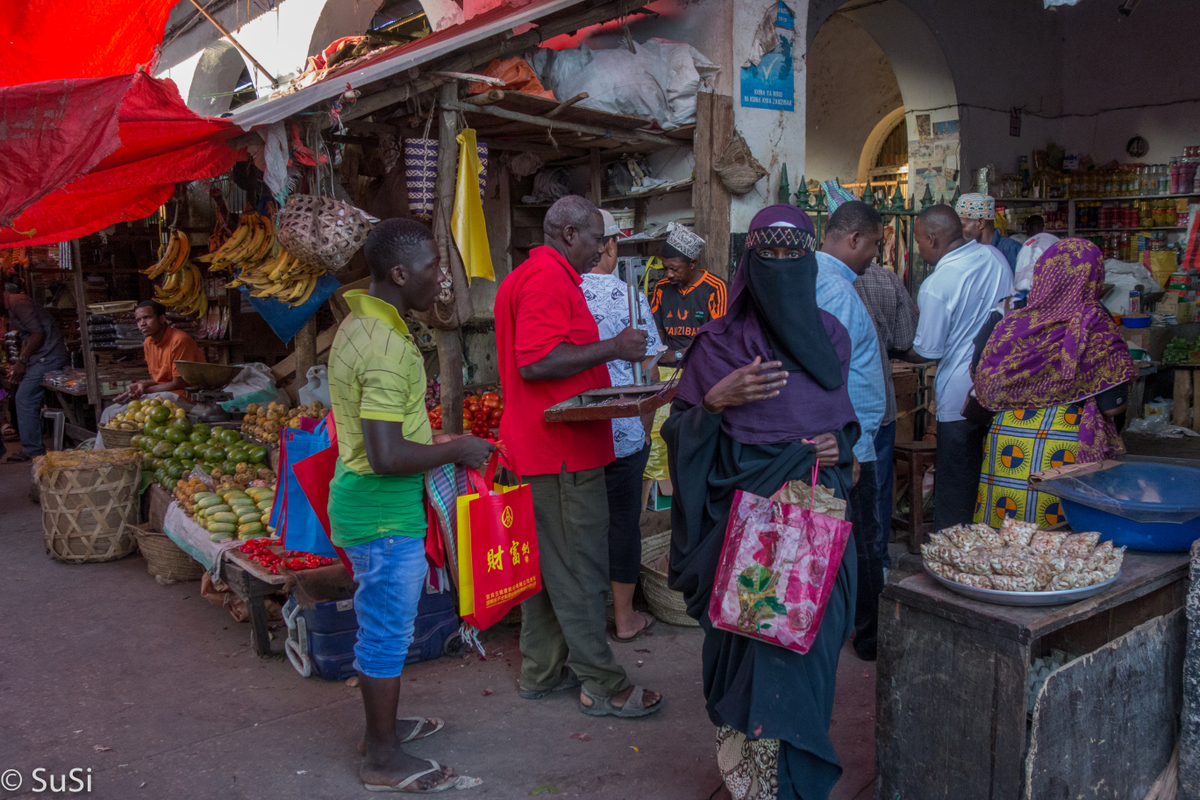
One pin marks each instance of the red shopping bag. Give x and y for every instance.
(777, 570)
(314, 474)
(498, 562)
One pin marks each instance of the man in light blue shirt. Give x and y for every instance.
(852, 241)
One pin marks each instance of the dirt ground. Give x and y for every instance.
(160, 695)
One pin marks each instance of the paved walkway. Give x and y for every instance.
(159, 694)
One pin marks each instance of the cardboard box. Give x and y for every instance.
(1172, 304)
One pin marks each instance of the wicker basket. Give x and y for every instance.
(114, 439)
(164, 559)
(666, 604)
(322, 231)
(87, 497)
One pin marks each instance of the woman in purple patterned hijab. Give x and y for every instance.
(1054, 370)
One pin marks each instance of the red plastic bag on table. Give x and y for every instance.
(498, 565)
(777, 570)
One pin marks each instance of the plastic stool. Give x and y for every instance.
(60, 424)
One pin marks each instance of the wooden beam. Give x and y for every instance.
(710, 198)
(485, 99)
(532, 147)
(449, 343)
(629, 136)
(285, 371)
(89, 361)
(306, 349)
(229, 36)
(597, 177)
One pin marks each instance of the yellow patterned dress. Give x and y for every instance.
(1020, 443)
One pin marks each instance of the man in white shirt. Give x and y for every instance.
(955, 301)
(607, 298)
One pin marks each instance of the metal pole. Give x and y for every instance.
(234, 42)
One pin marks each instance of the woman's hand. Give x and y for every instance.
(755, 381)
(827, 449)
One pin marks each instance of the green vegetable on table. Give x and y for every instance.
(1179, 350)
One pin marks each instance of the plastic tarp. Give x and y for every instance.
(658, 80)
(79, 155)
(47, 40)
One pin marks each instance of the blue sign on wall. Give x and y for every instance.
(772, 83)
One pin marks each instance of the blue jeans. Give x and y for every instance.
(390, 572)
(29, 402)
(885, 475)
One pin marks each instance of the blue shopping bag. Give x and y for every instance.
(293, 516)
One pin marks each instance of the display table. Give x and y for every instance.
(248, 579)
(952, 678)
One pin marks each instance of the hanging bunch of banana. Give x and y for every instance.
(284, 277)
(171, 256)
(182, 289)
(249, 245)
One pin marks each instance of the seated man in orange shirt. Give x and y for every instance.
(163, 346)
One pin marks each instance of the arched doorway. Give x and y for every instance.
(869, 64)
(221, 75)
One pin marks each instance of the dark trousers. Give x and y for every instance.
(623, 479)
(871, 549)
(885, 449)
(564, 624)
(956, 481)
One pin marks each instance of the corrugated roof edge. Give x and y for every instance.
(440, 43)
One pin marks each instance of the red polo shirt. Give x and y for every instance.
(539, 306)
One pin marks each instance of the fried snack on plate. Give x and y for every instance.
(1013, 566)
(942, 553)
(1079, 545)
(1014, 583)
(977, 581)
(1047, 541)
(976, 564)
(1014, 531)
(941, 570)
(961, 536)
(987, 535)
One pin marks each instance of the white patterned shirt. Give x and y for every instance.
(607, 298)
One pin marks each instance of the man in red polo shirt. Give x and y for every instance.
(549, 350)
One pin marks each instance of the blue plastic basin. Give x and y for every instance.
(1142, 506)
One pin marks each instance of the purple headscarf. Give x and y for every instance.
(773, 313)
(1063, 347)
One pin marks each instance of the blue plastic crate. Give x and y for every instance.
(321, 639)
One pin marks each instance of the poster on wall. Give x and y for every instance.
(769, 80)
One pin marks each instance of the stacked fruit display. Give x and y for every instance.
(139, 412)
(262, 422)
(174, 447)
(248, 247)
(232, 512)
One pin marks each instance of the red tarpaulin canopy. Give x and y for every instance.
(78, 155)
(47, 40)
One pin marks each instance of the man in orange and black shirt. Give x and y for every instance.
(688, 297)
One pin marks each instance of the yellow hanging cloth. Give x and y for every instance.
(467, 223)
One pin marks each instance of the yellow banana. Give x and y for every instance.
(311, 286)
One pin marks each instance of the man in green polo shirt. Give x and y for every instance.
(376, 499)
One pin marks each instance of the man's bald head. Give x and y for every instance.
(574, 227)
(938, 230)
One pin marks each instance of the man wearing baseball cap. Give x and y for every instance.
(978, 215)
(607, 297)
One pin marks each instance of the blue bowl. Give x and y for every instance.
(1158, 537)
(1139, 505)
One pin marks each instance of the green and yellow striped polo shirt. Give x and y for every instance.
(375, 372)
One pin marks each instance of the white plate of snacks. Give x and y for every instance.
(1020, 565)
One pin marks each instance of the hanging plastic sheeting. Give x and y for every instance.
(80, 155)
(658, 80)
(46, 40)
(467, 223)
